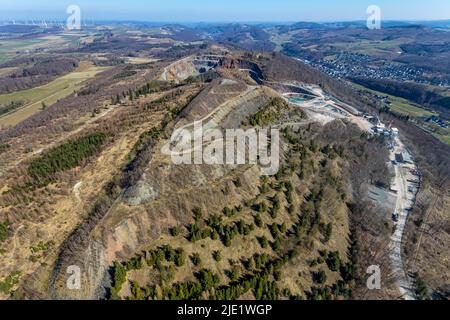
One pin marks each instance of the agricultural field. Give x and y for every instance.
(404, 107)
(10, 49)
(37, 98)
(373, 47)
(6, 71)
(401, 106)
(444, 138)
(442, 134)
(139, 60)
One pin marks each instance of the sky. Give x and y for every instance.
(226, 10)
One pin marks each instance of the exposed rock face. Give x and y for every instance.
(127, 228)
(91, 263)
(254, 70)
(189, 67)
(140, 193)
(143, 191)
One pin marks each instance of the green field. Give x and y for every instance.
(9, 48)
(445, 139)
(5, 71)
(401, 106)
(374, 48)
(12, 48)
(404, 107)
(47, 94)
(440, 133)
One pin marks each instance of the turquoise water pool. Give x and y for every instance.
(297, 100)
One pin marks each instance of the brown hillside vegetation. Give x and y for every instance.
(89, 182)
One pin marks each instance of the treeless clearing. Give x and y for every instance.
(140, 60)
(6, 71)
(47, 94)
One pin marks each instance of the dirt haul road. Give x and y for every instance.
(406, 190)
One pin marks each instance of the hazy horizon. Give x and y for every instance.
(249, 11)
(193, 22)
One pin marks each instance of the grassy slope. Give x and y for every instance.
(48, 94)
(400, 105)
(405, 107)
(6, 71)
(10, 49)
